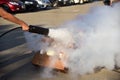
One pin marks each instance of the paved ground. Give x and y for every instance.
(15, 57)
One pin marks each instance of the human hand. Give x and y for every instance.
(25, 27)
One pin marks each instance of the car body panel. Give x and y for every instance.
(13, 5)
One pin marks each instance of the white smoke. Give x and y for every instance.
(89, 41)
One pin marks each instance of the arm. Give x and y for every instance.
(13, 19)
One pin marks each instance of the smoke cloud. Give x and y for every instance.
(89, 41)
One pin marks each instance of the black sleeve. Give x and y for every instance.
(106, 2)
(0, 5)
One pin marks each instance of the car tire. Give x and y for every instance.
(55, 4)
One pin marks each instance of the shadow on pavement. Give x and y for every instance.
(11, 39)
(13, 60)
(4, 28)
(25, 72)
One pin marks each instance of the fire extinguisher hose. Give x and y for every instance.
(3, 34)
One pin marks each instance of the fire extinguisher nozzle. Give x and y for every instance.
(38, 30)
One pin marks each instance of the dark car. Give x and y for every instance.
(44, 4)
(70, 2)
(12, 5)
(30, 5)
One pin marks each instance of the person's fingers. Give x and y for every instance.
(25, 27)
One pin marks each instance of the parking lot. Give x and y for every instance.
(15, 57)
